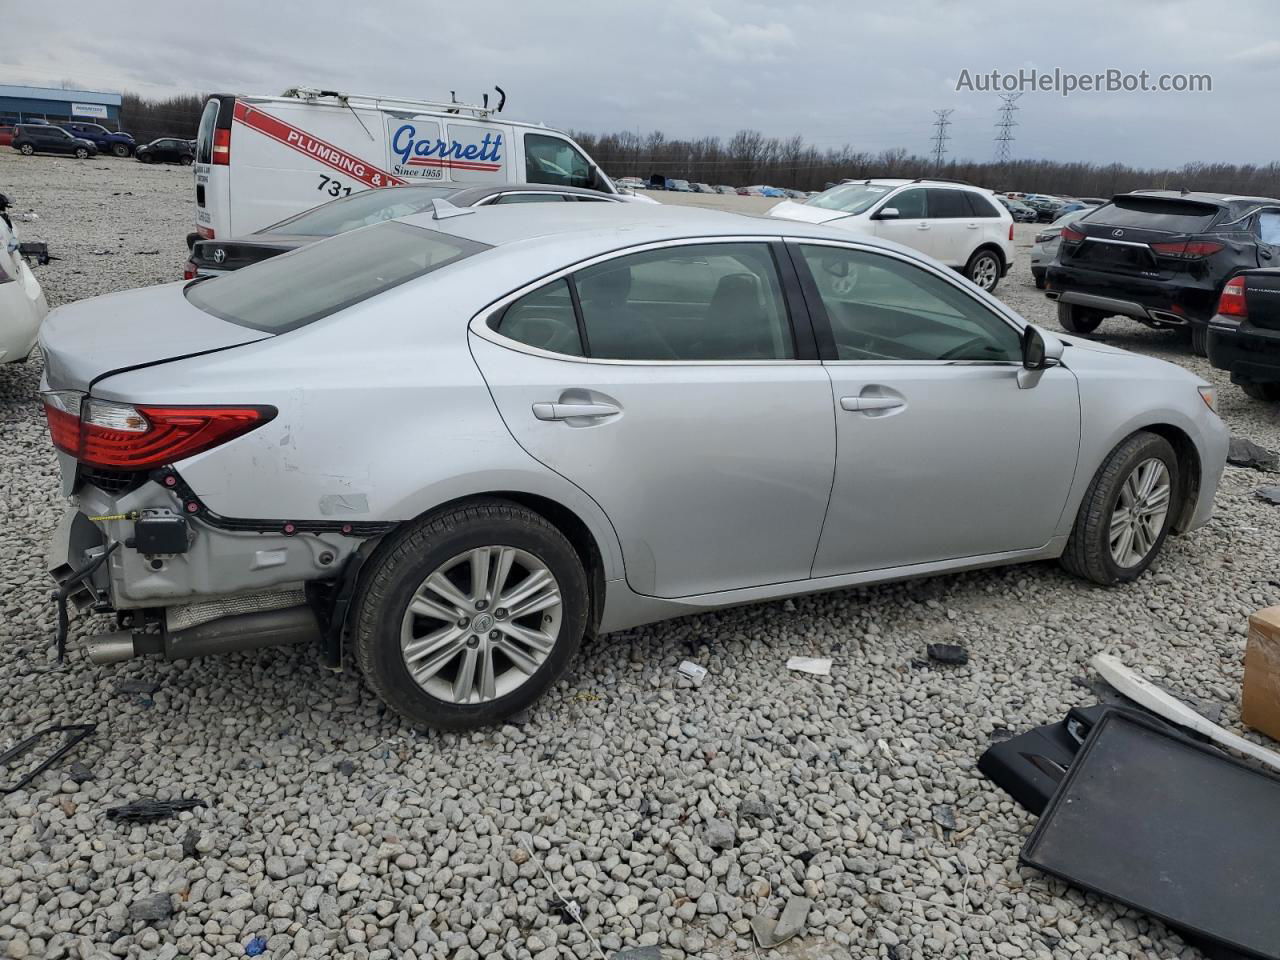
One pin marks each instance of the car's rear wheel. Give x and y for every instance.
(26, 149)
(983, 269)
(470, 614)
(1074, 318)
(1261, 391)
(1039, 280)
(1126, 512)
(82, 153)
(1199, 340)
(119, 150)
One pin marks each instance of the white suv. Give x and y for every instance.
(960, 225)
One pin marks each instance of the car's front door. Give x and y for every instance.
(670, 384)
(942, 450)
(911, 225)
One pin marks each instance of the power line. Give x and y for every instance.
(940, 137)
(1004, 127)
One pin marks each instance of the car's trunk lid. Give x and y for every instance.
(147, 326)
(234, 254)
(1262, 298)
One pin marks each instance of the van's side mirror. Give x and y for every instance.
(1040, 350)
(888, 213)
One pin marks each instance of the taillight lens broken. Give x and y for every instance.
(1071, 235)
(124, 436)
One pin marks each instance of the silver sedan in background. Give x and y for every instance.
(1048, 239)
(463, 441)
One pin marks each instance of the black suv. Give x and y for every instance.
(1160, 257)
(1244, 336)
(29, 138)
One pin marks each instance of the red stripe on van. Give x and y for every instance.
(455, 164)
(297, 139)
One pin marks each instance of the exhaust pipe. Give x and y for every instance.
(246, 631)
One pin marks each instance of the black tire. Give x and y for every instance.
(120, 150)
(1199, 340)
(1074, 318)
(144, 158)
(1039, 280)
(26, 149)
(82, 153)
(399, 568)
(1261, 391)
(186, 161)
(984, 269)
(1088, 554)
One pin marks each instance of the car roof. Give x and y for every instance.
(1201, 196)
(602, 227)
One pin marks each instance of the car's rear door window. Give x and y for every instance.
(544, 319)
(947, 204)
(297, 288)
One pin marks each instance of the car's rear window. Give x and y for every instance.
(1157, 213)
(360, 210)
(317, 280)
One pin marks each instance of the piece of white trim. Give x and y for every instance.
(1143, 692)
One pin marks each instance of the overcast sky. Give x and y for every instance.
(834, 71)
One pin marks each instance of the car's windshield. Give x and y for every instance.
(297, 288)
(360, 210)
(849, 197)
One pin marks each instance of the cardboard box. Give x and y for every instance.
(1260, 695)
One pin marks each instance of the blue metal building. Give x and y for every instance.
(53, 104)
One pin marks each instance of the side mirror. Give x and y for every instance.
(888, 213)
(1039, 350)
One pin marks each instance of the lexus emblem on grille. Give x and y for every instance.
(219, 255)
(1114, 233)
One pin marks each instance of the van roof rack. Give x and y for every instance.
(452, 105)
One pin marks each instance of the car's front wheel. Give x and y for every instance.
(469, 615)
(1126, 512)
(186, 161)
(82, 153)
(26, 149)
(1077, 319)
(119, 150)
(984, 269)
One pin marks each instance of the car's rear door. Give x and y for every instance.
(942, 450)
(954, 230)
(912, 227)
(680, 388)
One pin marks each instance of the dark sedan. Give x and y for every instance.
(167, 150)
(209, 257)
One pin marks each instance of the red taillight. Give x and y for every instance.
(136, 437)
(1011, 231)
(1187, 249)
(222, 147)
(188, 271)
(1071, 235)
(1232, 302)
(205, 233)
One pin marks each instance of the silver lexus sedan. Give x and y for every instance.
(458, 443)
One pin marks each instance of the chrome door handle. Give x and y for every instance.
(871, 403)
(567, 411)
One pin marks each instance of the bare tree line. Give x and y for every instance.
(749, 157)
(172, 117)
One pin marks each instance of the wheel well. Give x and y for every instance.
(994, 248)
(575, 531)
(1188, 466)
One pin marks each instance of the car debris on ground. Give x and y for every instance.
(1246, 453)
(818, 666)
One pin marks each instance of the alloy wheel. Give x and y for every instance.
(481, 624)
(1139, 514)
(985, 271)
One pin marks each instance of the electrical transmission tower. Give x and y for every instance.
(1004, 127)
(940, 137)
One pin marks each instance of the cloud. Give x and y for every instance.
(729, 42)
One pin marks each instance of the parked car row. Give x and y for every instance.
(660, 182)
(85, 140)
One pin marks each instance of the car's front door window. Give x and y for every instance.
(910, 204)
(883, 308)
(550, 159)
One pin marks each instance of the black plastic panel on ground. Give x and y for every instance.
(1170, 828)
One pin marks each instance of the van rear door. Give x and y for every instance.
(211, 168)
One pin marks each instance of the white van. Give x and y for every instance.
(261, 159)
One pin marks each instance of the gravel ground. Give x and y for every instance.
(672, 814)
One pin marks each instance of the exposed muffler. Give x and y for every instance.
(245, 631)
(1165, 318)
